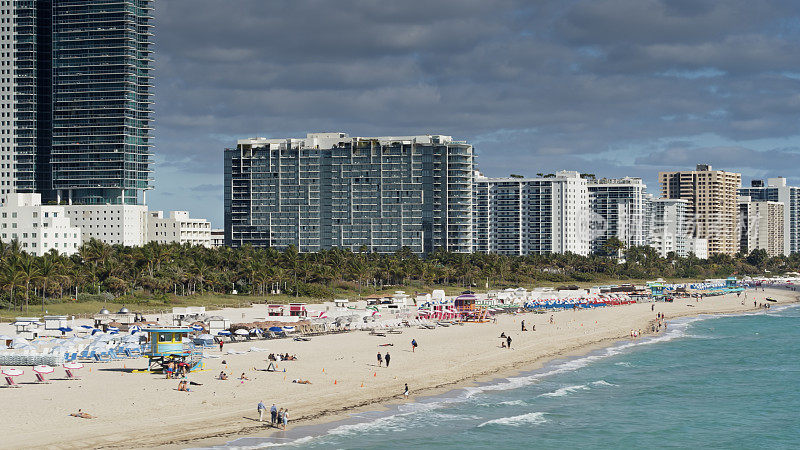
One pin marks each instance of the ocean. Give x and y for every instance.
(709, 381)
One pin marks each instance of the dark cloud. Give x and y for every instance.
(609, 84)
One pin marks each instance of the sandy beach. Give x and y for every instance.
(146, 410)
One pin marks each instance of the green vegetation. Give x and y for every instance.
(157, 277)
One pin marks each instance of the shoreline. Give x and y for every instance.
(449, 359)
(327, 420)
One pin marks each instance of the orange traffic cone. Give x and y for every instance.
(334, 381)
(374, 374)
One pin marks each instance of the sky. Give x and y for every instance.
(610, 87)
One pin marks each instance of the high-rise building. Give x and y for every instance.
(776, 190)
(712, 204)
(619, 208)
(761, 226)
(533, 215)
(75, 103)
(669, 231)
(330, 190)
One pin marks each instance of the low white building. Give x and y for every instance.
(178, 227)
(112, 224)
(699, 247)
(38, 228)
(217, 237)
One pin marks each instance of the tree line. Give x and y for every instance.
(166, 270)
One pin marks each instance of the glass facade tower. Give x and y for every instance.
(82, 99)
(330, 190)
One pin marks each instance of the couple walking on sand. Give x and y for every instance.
(384, 358)
(278, 417)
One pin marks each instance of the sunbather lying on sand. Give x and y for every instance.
(223, 376)
(299, 381)
(82, 415)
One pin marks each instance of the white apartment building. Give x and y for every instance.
(619, 211)
(698, 246)
(761, 226)
(38, 228)
(669, 230)
(178, 227)
(522, 216)
(217, 237)
(113, 224)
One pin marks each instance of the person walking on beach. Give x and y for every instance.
(413, 345)
(380, 359)
(273, 414)
(220, 344)
(262, 409)
(387, 358)
(280, 418)
(405, 392)
(523, 326)
(508, 339)
(285, 418)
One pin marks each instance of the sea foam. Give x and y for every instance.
(515, 421)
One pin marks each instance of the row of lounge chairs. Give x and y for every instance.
(103, 356)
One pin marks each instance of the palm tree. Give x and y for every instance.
(28, 273)
(49, 269)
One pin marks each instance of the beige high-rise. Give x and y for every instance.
(712, 209)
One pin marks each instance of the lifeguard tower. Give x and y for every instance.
(167, 345)
(656, 290)
(468, 310)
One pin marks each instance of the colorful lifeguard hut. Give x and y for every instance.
(657, 290)
(168, 345)
(468, 310)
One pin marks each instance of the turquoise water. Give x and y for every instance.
(713, 381)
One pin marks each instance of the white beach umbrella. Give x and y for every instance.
(206, 337)
(73, 365)
(5, 337)
(12, 372)
(241, 332)
(43, 369)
